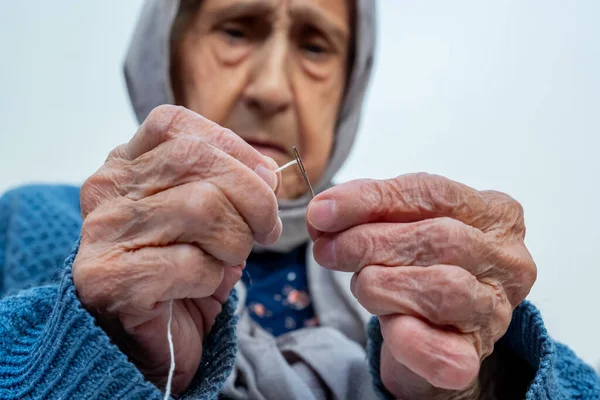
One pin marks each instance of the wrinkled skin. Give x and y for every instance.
(272, 71)
(172, 215)
(442, 266)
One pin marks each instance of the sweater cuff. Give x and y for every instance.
(374, 342)
(528, 338)
(52, 348)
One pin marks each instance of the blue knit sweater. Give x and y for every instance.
(52, 348)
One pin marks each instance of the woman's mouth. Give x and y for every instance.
(276, 152)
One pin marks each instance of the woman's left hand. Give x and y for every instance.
(442, 265)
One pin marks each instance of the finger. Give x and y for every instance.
(168, 122)
(422, 243)
(204, 311)
(444, 295)
(197, 213)
(430, 242)
(404, 383)
(446, 359)
(410, 198)
(231, 277)
(135, 282)
(207, 309)
(186, 160)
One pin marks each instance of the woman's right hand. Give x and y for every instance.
(172, 215)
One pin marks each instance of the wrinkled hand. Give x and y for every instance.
(442, 266)
(172, 215)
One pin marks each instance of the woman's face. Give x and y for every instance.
(272, 71)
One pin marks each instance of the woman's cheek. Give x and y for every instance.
(215, 87)
(317, 104)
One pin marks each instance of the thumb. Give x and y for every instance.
(426, 355)
(231, 276)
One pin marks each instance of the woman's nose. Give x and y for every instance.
(269, 89)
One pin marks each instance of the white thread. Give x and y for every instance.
(172, 353)
(286, 165)
(170, 336)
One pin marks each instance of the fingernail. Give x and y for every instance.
(353, 283)
(321, 214)
(275, 233)
(325, 253)
(273, 163)
(267, 175)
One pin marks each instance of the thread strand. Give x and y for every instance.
(286, 165)
(171, 352)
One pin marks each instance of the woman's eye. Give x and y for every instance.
(315, 51)
(234, 33)
(314, 48)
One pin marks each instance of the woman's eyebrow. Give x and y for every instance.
(307, 13)
(241, 8)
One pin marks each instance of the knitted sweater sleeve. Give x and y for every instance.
(51, 347)
(557, 373)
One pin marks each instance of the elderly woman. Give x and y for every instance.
(193, 205)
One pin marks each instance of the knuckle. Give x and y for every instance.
(226, 140)
(118, 152)
(90, 281)
(452, 299)
(508, 210)
(493, 326)
(427, 193)
(223, 225)
(208, 201)
(517, 207)
(160, 121)
(357, 249)
(210, 274)
(447, 239)
(189, 158)
(213, 279)
(425, 182)
(93, 192)
(518, 219)
(482, 342)
(162, 116)
(242, 249)
(507, 201)
(525, 275)
(515, 269)
(529, 274)
(364, 288)
(413, 179)
(378, 195)
(434, 192)
(502, 317)
(187, 154)
(108, 221)
(106, 184)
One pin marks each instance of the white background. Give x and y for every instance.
(499, 95)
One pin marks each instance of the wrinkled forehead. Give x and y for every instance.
(335, 18)
(336, 15)
(335, 12)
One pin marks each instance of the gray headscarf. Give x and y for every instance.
(147, 73)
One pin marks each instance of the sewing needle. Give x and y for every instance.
(303, 171)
